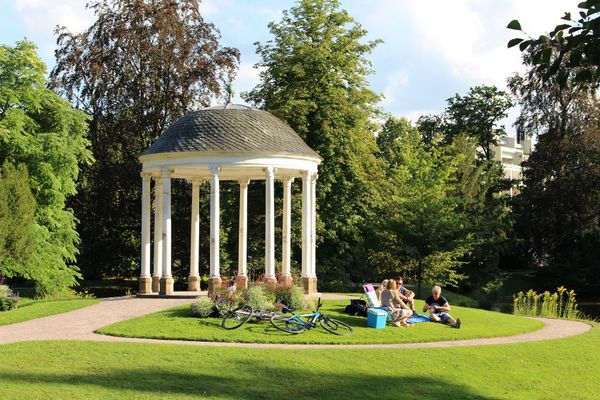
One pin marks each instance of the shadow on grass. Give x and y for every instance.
(248, 380)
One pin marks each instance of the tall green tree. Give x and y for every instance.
(560, 214)
(431, 127)
(469, 127)
(314, 76)
(41, 131)
(139, 67)
(479, 193)
(422, 230)
(477, 114)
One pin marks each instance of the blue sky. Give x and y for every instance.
(432, 49)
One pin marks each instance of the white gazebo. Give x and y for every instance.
(233, 143)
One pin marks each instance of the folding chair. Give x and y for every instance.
(373, 301)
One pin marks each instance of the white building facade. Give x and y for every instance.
(512, 154)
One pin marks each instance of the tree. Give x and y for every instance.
(476, 115)
(560, 217)
(421, 230)
(479, 195)
(573, 45)
(44, 140)
(389, 141)
(138, 68)
(468, 128)
(17, 220)
(431, 127)
(314, 77)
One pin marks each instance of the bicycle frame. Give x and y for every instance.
(304, 318)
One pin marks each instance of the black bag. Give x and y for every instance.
(357, 307)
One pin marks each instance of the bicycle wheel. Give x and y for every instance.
(336, 327)
(238, 317)
(289, 324)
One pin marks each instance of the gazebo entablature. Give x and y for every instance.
(214, 167)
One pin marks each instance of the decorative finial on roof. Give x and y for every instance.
(229, 90)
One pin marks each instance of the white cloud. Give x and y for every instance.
(41, 17)
(208, 7)
(466, 37)
(413, 115)
(247, 78)
(395, 83)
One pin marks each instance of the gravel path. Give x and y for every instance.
(80, 325)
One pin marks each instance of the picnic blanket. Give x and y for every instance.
(414, 319)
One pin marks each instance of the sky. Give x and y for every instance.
(431, 50)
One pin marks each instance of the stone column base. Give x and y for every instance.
(241, 282)
(193, 283)
(213, 283)
(285, 280)
(166, 286)
(145, 285)
(155, 284)
(270, 280)
(309, 284)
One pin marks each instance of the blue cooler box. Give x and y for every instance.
(376, 318)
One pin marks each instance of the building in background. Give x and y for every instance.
(511, 154)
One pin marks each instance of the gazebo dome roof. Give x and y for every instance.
(230, 129)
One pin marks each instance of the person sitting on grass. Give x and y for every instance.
(398, 309)
(438, 308)
(381, 288)
(407, 296)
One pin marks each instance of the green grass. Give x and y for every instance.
(29, 309)
(177, 323)
(95, 370)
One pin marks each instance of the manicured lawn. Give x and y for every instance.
(29, 309)
(177, 323)
(565, 368)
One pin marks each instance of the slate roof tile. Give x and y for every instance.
(230, 130)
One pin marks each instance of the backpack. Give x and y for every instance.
(357, 307)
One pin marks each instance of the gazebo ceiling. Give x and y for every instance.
(230, 129)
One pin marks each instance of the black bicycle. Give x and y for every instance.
(233, 319)
(298, 323)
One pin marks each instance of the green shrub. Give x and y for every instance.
(8, 299)
(202, 307)
(259, 298)
(290, 295)
(561, 304)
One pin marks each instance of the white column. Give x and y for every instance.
(214, 222)
(145, 273)
(270, 223)
(287, 223)
(306, 228)
(243, 229)
(166, 222)
(313, 225)
(194, 278)
(158, 240)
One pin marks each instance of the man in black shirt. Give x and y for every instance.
(438, 308)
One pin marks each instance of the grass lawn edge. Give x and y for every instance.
(33, 309)
(132, 329)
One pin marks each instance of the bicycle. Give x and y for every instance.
(298, 323)
(233, 319)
